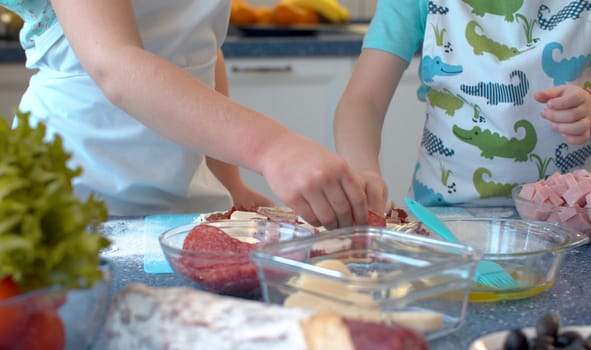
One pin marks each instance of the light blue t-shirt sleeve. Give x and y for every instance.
(38, 16)
(398, 27)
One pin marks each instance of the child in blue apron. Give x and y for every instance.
(504, 85)
(129, 86)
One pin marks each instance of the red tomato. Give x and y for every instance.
(8, 288)
(46, 301)
(13, 315)
(45, 331)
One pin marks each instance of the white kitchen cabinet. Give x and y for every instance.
(301, 93)
(14, 79)
(401, 135)
(367, 9)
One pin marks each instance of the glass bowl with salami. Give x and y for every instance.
(529, 252)
(214, 255)
(50, 318)
(371, 273)
(561, 198)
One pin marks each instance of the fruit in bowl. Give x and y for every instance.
(216, 255)
(560, 198)
(50, 244)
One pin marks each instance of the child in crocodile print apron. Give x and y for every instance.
(130, 85)
(504, 88)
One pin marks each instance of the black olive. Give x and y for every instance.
(541, 343)
(539, 340)
(548, 325)
(516, 340)
(568, 338)
(577, 345)
(548, 337)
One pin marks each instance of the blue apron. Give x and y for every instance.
(133, 168)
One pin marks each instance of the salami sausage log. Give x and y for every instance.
(143, 317)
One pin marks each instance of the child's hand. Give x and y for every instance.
(376, 191)
(568, 107)
(246, 197)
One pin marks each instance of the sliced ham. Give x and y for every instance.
(575, 194)
(569, 192)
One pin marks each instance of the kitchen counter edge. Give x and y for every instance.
(320, 45)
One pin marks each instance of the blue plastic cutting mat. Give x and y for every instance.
(154, 226)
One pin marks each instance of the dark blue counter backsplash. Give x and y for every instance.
(340, 41)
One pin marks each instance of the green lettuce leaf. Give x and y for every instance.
(48, 236)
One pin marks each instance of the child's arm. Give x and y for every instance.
(229, 174)
(568, 107)
(360, 116)
(242, 195)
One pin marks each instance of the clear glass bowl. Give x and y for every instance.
(56, 319)
(371, 273)
(229, 272)
(573, 217)
(531, 251)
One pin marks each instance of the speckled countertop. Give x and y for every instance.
(569, 297)
(341, 41)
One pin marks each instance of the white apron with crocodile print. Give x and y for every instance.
(134, 169)
(482, 62)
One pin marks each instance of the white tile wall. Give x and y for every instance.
(357, 8)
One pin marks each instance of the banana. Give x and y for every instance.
(331, 10)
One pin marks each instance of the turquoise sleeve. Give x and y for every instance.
(398, 27)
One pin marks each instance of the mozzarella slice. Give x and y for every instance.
(246, 215)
